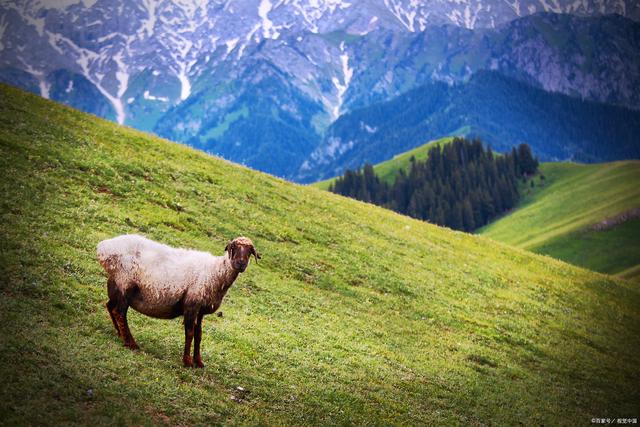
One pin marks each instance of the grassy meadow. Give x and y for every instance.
(557, 218)
(355, 314)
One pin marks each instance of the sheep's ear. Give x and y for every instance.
(255, 253)
(229, 248)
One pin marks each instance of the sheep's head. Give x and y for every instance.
(240, 249)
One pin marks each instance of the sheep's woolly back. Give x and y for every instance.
(163, 274)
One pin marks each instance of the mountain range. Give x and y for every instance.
(501, 111)
(264, 83)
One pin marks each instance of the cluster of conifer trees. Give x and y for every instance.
(461, 185)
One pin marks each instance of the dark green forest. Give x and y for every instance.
(462, 185)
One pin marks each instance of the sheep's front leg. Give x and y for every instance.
(112, 291)
(189, 330)
(197, 358)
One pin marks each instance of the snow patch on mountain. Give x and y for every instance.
(341, 85)
(85, 59)
(347, 74)
(45, 88)
(55, 4)
(406, 17)
(324, 154)
(554, 7)
(43, 85)
(231, 44)
(150, 97)
(515, 6)
(369, 129)
(121, 75)
(185, 84)
(269, 30)
(313, 11)
(149, 24)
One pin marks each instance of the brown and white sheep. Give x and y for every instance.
(165, 282)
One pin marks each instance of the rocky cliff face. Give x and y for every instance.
(259, 82)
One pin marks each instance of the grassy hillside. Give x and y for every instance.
(387, 170)
(355, 315)
(556, 219)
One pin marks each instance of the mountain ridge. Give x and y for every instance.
(501, 111)
(152, 79)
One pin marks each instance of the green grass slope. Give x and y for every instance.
(387, 170)
(355, 315)
(557, 219)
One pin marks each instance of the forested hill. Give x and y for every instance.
(500, 111)
(585, 214)
(461, 185)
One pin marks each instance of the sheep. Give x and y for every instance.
(163, 282)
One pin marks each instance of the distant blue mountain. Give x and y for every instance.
(501, 111)
(260, 82)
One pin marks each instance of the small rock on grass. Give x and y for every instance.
(239, 394)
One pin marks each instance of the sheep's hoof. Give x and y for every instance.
(188, 361)
(131, 345)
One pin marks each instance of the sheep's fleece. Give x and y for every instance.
(164, 275)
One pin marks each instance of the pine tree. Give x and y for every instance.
(467, 216)
(528, 165)
(456, 221)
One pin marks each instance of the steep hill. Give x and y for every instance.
(354, 315)
(584, 214)
(501, 111)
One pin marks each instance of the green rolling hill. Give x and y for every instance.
(561, 217)
(565, 217)
(387, 170)
(355, 315)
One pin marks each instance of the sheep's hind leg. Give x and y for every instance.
(189, 330)
(197, 358)
(128, 338)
